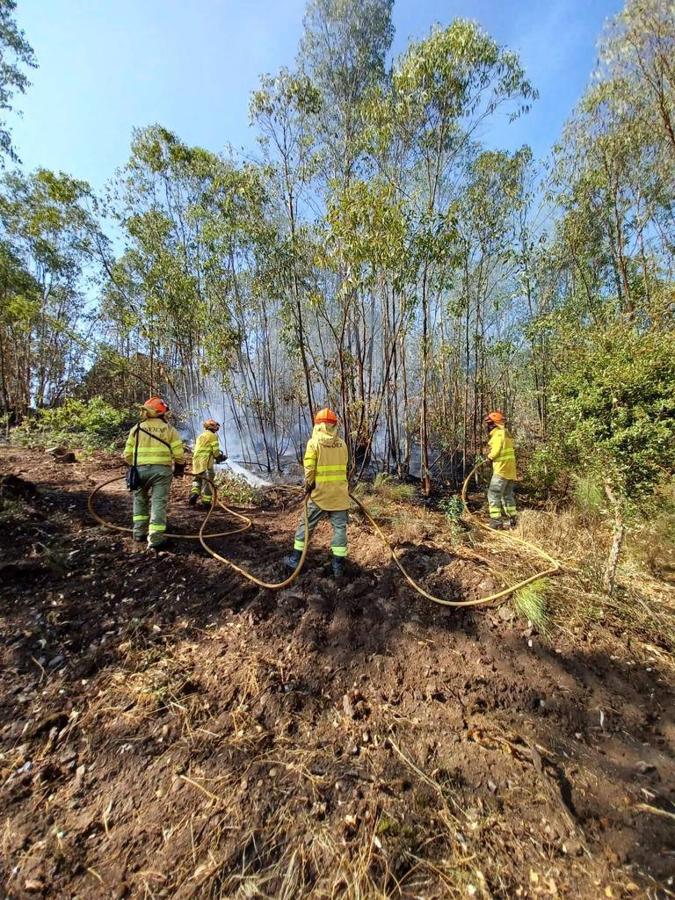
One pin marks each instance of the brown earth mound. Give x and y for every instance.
(168, 730)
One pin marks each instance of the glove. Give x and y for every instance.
(179, 469)
(309, 487)
(221, 457)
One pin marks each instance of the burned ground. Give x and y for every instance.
(168, 729)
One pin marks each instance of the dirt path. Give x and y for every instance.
(166, 729)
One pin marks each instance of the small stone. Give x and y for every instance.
(347, 706)
(644, 768)
(572, 848)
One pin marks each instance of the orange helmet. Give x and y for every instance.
(326, 417)
(211, 425)
(156, 405)
(496, 417)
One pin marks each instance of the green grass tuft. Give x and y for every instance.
(390, 489)
(589, 498)
(530, 603)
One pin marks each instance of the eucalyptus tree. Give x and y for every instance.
(190, 221)
(442, 89)
(282, 108)
(48, 234)
(16, 55)
(343, 52)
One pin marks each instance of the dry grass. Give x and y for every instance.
(644, 604)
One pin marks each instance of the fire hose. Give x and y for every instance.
(202, 535)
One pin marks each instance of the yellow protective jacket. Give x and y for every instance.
(502, 453)
(326, 467)
(151, 451)
(207, 447)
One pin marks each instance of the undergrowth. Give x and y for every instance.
(235, 489)
(389, 488)
(82, 425)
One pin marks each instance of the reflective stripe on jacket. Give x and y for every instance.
(151, 450)
(326, 466)
(207, 448)
(502, 453)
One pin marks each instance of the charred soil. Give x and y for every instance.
(169, 730)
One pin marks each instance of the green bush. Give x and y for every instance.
(453, 508)
(612, 407)
(236, 490)
(87, 425)
(543, 472)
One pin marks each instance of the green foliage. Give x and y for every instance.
(16, 54)
(530, 602)
(235, 489)
(388, 488)
(48, 236)
(453, 508)
(91, 425)
(544, 471)
(612, 404)
(589, 497)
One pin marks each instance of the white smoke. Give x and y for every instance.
(215, 404)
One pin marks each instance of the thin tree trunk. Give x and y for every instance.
(609, 580)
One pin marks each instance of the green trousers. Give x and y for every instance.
(201, 487)
(501, 498)
(338, 519)
(150, 502)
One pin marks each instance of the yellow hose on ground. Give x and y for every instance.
(188, 537)
(480, 601)
(200, 535)
(270, 586)
(275, 586)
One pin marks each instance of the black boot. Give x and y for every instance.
(495, 524)
(338, 565)
(513, 521)
(193, 499)
(291, 562)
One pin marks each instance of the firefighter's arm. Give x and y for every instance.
(495, 444)
(177, 451)
(128, 454)
(216, 452)
(310, 465)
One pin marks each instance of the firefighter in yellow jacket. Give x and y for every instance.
(155, 448)
(501, 497)
(326, 479)
(207, 453)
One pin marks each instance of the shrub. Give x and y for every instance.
(453, 508)
(87, 425)
(236, 490)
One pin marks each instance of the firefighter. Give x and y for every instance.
(155, 448)
(326, 482)
(207, 452)
(501, 498)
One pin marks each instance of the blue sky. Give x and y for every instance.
(108, 66)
